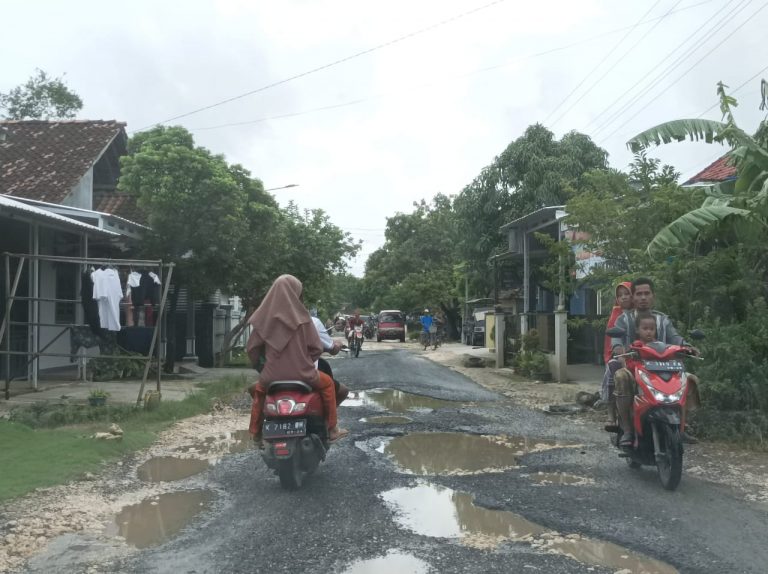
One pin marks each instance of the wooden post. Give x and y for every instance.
(154, 336)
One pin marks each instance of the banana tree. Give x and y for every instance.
(744, 199)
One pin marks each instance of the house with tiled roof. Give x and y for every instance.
(58, 198)
(716, 172)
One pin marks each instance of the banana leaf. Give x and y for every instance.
(677, 130)
(686, 228)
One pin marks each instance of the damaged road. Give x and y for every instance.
(438, 475)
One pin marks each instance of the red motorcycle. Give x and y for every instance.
(659, 408)
(356, 339)
(294, 432)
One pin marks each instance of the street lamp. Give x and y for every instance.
(283, 187)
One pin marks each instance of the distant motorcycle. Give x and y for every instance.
(356, 338)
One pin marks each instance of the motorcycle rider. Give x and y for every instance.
(283, 332)
(332, 348)
(643, 298)
(354, 321)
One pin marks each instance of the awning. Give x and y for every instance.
(11, 206)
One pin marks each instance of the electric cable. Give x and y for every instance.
(396, 40)
(739, 27)
(608, 54)
(642, 79)
(428, 84)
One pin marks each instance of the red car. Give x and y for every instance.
(391, 325)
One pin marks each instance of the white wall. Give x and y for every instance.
(81, 194)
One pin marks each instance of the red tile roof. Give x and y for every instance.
(716, 172)
(123, 205)
(44, 160)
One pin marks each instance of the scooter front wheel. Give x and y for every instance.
(290, 473)
(670, 462)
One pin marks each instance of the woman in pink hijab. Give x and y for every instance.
(283, 332)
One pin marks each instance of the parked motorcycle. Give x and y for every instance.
(659, 408)
(356, 338)
(294, 432)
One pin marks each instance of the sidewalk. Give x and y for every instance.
(122, 392)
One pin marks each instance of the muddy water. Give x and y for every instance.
(455, 453)
(387, 420)
(157, 519)
(436, 511)
(395, 401)
(392, 562)
(166, 468)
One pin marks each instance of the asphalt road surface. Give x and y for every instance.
(392, 499)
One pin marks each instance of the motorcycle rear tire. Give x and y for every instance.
(290, 473)
(357, 350)
(670, 468)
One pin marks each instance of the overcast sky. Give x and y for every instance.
(406, 121)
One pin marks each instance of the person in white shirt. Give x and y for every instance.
(331, 347)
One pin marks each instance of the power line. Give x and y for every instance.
(720, 43)
(736, 89)
(676, 63)
(463, 75)
(608, 54)
(644, 78)
(335, 62)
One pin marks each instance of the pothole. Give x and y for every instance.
(159, 518)
(393, 562)
(384, 420)
(559, 478)
(167, 468)
(456, 453)
(435, 511)
(395, 401)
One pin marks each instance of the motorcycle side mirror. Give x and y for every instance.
(615, 332)
(697, 335)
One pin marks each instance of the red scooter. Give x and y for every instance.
(294, 432)
(659, 408)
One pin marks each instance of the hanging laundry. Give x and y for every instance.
(90, 307)
(107, 292)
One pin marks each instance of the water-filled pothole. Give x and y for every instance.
(395, 401)
(560, 478)
(456, 453)
(157, 519)
(384, 420)
(166, 468)
(435, 511)
(393, 562)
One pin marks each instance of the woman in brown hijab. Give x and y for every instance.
(283, 332)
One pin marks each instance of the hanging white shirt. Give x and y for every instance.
(134, 279)
(107, 292)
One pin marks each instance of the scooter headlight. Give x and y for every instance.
(646, 379)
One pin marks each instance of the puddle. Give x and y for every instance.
(436, 511)
(226, 443)
(559, 478)
(395, 401)
(456, 453)
(392, 562)
(157, 519)
(387, 420)
(166, 468)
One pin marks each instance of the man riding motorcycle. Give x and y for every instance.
(354, 321)
(626, 387)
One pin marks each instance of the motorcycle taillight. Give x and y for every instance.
(271, 408)
(285, 406)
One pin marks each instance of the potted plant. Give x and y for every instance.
(98, 397)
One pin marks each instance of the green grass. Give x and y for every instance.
(47, 445)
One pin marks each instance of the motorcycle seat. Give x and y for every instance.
(289, 386)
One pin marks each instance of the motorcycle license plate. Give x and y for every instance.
(281, 429)
(665, 366)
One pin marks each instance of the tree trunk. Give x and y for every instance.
(452, 318)
(226, 346)
(170, 347)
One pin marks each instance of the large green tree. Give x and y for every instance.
(534, 171)
(41, 98)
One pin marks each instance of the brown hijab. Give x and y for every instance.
(281, 313)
